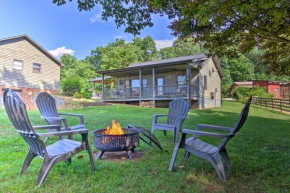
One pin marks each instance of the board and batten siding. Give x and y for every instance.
(213, 85)
(21, 49)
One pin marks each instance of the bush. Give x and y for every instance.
(242, 93)
(71, 85)
(78, 95)
(86, 95)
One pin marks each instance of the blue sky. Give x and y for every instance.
(66, 30)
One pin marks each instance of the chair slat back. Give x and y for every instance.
(16, 111)
(242, 119)
(178, 109)
(47, 107)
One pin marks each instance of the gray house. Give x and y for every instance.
(27, 68)
(195, 78)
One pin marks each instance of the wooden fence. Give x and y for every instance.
(282, 105)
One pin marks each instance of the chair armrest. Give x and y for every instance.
(200, 126)
(158, 115)
(154, 118)
(57, 127)
(56, 118)
(62, 133)
(75, 115)
(209, 134)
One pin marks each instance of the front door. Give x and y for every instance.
(159, 84)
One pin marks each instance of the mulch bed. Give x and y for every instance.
(119, 156)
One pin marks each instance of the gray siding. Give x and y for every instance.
(213, 86)
(21, 49)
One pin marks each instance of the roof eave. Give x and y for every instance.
(150, 66)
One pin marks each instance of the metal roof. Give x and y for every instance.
(159, 63)
(171, 60)
(44, 51)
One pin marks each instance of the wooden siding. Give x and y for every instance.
(213, 80)
(21, 49)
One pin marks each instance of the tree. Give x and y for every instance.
(181, 47)
(78, 72)
(120, 54)
(225, 27)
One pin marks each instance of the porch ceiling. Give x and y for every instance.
(126, 72)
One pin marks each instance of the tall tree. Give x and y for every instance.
(181, 47)
(225, 27)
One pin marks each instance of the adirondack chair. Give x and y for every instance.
(178, 109)
(213, 154)
(47, 107)
(59, 151)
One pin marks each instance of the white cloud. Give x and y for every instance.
(96, 17)
(58, 52)
(118, 37)
(163, 43)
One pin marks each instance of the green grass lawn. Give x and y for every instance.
(260, 156)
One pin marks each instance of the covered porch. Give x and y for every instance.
(152, 84)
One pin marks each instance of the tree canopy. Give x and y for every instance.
(225, 27)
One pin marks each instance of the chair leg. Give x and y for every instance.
(165, 133)
(88, 147)
(226, 158)
(27, 161)
(44, 170)
(174, 154)
(45, 139)
(186, 154)
(216, 161)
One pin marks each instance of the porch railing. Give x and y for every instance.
(166, 91)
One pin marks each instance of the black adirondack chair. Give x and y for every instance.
(59, 151)
(213, 154)
(178, 109)
(47, 107)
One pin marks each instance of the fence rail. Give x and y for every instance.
(275, 104)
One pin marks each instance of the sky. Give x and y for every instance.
(64, 29)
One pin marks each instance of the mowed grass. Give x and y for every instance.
(260, 156)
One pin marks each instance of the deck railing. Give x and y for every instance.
(166, 91)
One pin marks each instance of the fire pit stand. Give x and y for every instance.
(126, 142)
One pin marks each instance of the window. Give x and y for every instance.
(17, 64)
(144, 82)
(209, 73)
(276, 90)
(36, 68)
(181, 81)
(205, 82)
(121, 82)
(212, 95)
(136, 82)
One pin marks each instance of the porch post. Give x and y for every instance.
(188, 75)
(153, 87)
(140, 86)
(94, 90)
(102, 86)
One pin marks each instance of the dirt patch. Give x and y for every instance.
(95, 104)
(120, 156)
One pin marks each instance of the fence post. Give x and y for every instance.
(281, 105)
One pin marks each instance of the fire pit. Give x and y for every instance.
(116, 138)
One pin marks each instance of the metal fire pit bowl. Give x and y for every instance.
(126, 142)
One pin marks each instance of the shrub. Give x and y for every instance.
(242, 93)
(78, 95)
(71, 85)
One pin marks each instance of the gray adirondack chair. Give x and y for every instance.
(178, 109)
(47, 107)
(213, 154)
(59, 151)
